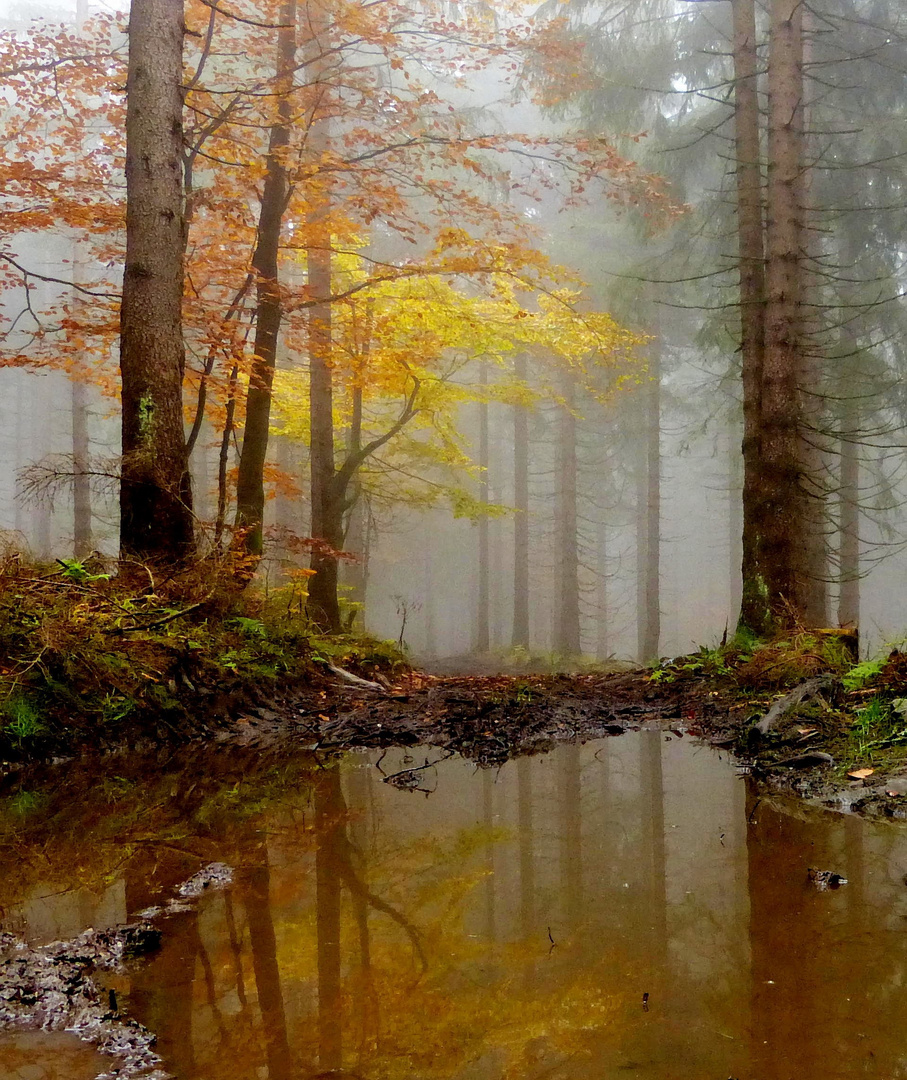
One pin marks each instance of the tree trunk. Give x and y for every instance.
(327, 503)
(81, 485)
(782, 518)
(329, 822)
(521, 517)
(250, 489)
(648, 520)
(754, 610)
(483, 636)
(566, 548)
(603, 641)
(813, 457)
(155, 496)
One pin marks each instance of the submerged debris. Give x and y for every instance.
(52, 988)
(825, 879)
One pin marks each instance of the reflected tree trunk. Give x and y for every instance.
(257, 904)
(488, 822)
(329, 808)
(570, 834)
(526, 846)
(652, 777)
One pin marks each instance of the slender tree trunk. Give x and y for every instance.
(813, 457)
(754, 609)
(520, 635)
(326, 501)
(250, 488)
(81, 485)
(329, 808)
(155, 497)
(782, 518)
(566, 551)
(603, 645)
(849, 391)
(263, 942)
(648, 519)
(483, 606)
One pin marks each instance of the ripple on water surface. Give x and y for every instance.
(626, 907)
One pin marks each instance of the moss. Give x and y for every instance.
(87, 657)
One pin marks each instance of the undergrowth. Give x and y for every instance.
(86, 653)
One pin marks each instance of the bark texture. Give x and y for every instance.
(155, 498)
(648, 520)
(483, 606)
(754, 608)
(250, 491)
(782, 519)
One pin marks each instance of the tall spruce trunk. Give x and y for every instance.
(155, 496)
(648, 519)
(567, 638)
(782, 519)
(754, 608)
(520, 635)
(849, 391)
(250, 487)
(813, 456)
(483, 600)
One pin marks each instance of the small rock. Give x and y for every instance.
(825, 879)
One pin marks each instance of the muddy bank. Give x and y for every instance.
(805, 740)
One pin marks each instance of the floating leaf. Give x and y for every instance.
(860, 774)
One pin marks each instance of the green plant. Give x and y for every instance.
(878, 725)
(249, 627)
(76, 571)
(22, 719)
(861, 673)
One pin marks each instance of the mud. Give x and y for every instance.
(56, 987)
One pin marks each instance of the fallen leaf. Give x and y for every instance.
(860, 774)
(806, 731)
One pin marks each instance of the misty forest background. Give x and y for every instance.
(550, 479)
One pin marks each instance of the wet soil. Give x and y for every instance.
(491, 719)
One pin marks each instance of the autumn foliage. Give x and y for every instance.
(424, 206)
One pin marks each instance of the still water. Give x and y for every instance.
(629, 907)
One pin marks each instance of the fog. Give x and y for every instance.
(635, 469)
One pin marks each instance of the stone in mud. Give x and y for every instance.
(825, 879)
(215, 875)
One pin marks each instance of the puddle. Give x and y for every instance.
(624, 908)
(52, 1055)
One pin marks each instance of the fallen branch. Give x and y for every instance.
(804, 692)
(354, 680)
(161, 622)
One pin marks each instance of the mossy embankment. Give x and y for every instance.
(91, 659)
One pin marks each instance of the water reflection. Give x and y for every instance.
(509, 925)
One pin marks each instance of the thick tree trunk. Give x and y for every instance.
(754, 609)
(155, 498)
(250, 489)
(813, 456)
(520, 636)
(782, 520)
(648, 519)
(483, 603)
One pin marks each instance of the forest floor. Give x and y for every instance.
(95, 662)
